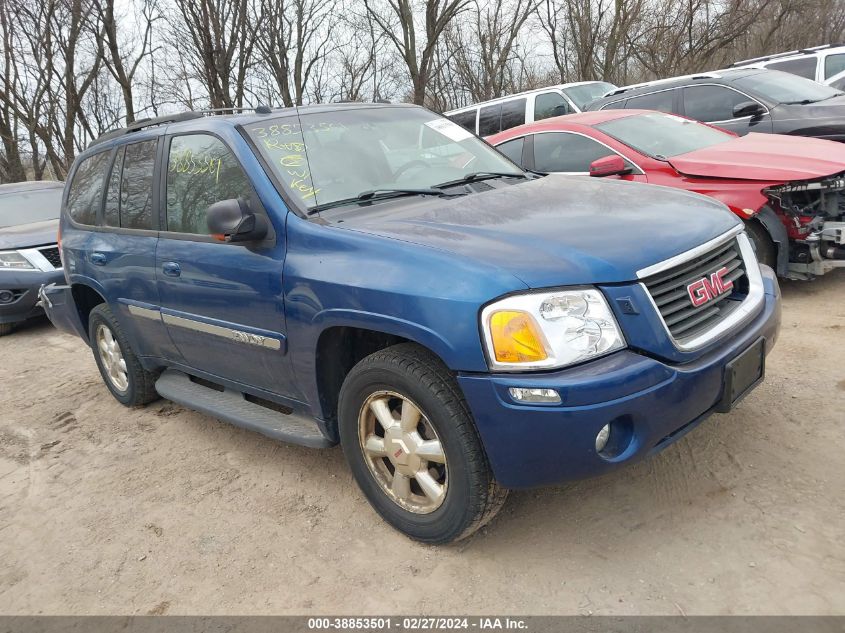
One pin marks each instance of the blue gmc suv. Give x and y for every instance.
(377, 276)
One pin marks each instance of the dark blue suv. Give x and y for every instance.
(377, 276)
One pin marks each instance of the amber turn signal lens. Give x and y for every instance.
(516, 337)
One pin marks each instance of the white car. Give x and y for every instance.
(824, 64)
(496, 115)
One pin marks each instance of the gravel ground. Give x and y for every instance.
(105, 510)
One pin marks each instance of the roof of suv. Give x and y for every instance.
(201, 119)
(524, 93)
(723, 77)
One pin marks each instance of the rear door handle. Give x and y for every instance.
(98, 259)
(171, 269)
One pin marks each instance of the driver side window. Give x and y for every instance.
(201, 170)
(562, 152)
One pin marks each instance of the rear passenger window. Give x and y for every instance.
(86, 190)
(136, 185)
(833, 65)
(711, 103)
(200, 171)
(550, 104)
(662, 101)
(465, 119)
(513, 149)
(490, 120)
(804, 67)
(513, 113)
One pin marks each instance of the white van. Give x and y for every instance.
(823, 64)
(491, 117)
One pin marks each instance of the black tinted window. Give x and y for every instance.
(111, 213)
(465, 119)
(711, 103)
(200, 171)
(550, 104)
(513, 113)
(804, 67)
(662, 101)
(513, 149)
(566, 152)
(490, 120)
(136, 185)
(86, 190)
(833, 65)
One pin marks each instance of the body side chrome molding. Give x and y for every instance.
(239, 336)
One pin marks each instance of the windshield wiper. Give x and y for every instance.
(376, 194)
(479, 175)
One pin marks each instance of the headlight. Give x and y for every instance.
(549, 330)
(15, 261)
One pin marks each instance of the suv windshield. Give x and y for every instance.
(663, 135)
(337, 155)
(34, 205)
(582, 95)
(781, 87)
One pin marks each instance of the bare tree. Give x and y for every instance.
(217, 38)
(398, 23)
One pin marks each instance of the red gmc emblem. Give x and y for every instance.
(708, 288)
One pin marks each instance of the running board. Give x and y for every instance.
(231, 406)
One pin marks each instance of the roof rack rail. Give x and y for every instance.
(801, 51)
(658, 82)
(188, 115)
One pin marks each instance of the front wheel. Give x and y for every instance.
(763, 243)
(6, 328)
(412, 446)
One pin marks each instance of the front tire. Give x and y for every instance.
(763, 245)
(128, 381)
(6, 328)
(410, 441)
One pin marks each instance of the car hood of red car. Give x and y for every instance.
(768, 157)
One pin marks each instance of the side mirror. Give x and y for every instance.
(748, 108)
(232, 221)
(609, 166)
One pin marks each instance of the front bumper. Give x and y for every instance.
(24, 285)
(59, 306)
(533, 445)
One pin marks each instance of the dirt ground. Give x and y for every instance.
(105, 510)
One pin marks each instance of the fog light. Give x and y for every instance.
(6, 296)
(544, 396)
(602, 438)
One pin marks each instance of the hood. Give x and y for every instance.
(28, 235)
(558, 230)
(767, 157)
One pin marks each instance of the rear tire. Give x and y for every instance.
(437, 486)
(128, 381)
(6, 328)
(767, 252)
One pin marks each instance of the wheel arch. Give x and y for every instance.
(86, 298)
(343, 342)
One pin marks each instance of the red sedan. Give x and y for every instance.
(789, 191)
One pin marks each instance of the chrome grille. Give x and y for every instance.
(669, 291)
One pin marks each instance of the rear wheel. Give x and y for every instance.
(763, 244)
(128, 381)
(6, 328)
(411, 444)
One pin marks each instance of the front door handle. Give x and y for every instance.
(98, 259)
(171, 269)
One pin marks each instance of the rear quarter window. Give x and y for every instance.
(465, 119)
(86, 189)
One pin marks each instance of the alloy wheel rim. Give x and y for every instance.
(403, 452)
(112, 358)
